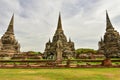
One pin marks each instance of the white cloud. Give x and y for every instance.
(36, 20)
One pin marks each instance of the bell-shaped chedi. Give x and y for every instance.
(9, 44)
(110, 44)
(59, 48)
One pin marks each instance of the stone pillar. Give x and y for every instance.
(59, 55)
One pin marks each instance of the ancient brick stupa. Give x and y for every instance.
(110, 44)
(9, 44)
(59, 48)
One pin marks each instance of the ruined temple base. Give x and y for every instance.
(8, 53)
(106, 62)
(59, 61)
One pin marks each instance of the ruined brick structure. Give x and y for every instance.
(110, 43)
(59, 48)
(8, 44)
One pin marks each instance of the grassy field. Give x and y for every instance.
(61, 74)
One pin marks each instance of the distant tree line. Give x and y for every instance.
(85, 50)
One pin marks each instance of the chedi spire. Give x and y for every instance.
(10, 28)
(108, 22)
(59, 26)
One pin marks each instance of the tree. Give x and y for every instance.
(85, 50)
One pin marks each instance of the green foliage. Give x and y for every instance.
(33, 52)
(85, 50)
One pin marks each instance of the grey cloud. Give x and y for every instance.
(36, 20)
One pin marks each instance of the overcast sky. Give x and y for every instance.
(36, 20)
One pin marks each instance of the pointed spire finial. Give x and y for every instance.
(108, 22)
(59, 26)
(69, 39)
(101, 39)
(11, 24)
(49, 40)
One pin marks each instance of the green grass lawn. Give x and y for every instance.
(61, 74)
